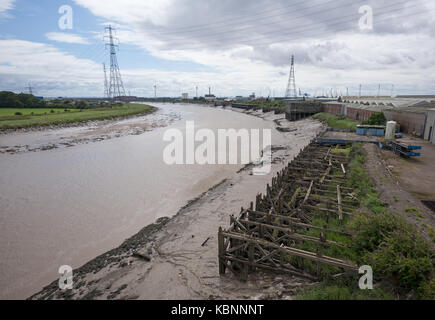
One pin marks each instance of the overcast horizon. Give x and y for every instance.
(235, 47)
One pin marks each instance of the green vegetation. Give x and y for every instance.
(377, 119)
(268, 105)
(391, 246)
(336, 290)
(336, 122)
(11, 100)
(47, 116)
(430, 231)
(413, 211)
(342, 151)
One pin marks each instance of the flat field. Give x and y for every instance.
(13, 118)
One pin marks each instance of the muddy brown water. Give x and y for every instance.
(100, 184)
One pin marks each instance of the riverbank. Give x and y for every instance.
(49, 137)
(35, 118)
(176, 258)
(183, 249)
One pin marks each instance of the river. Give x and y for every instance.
(94, 186)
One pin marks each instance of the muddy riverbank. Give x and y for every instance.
(48, 137)
(182, 250)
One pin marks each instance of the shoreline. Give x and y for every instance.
(152, 238)
(75, 124)
(70, 134)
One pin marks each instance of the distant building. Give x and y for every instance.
(413, 114)
(210, 97)
(125, 98)
(185, 96)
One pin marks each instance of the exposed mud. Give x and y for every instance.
(183, 249)
(68, 135)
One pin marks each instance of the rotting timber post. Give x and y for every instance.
(270, 237)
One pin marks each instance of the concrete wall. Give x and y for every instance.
(429, 133)
(410, 122)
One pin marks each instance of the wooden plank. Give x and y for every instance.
(340, 209)
(293, 251)
(325, 174)
(324, 209)
(342, 168)
(308, 192)
(283, 269)
(291, 234)
(296, 223)
(327, 154)
(221, 251)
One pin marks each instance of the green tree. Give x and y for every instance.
(377, 118)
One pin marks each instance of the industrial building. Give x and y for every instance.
(412, 113)
(430, 126)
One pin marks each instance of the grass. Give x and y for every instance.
(342, 291)
(414, 211)
(380, 239)
(31, 117)
(336, 122)
(341, 151)
(430, 231)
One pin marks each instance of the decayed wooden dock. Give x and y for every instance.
(268, 234)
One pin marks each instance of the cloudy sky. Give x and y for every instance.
(234, 46)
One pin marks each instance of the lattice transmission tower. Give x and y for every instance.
(30, 89)
(291, 86)
(116, 87)
(106, 84)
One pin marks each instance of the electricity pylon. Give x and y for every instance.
(291, 86)
(30, 89)
(116, 87)
(106, 84)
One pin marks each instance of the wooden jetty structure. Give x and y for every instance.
(270, 234)
(297, 111)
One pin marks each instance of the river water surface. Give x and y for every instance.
(95, 186)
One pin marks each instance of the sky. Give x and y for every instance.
(236, 47)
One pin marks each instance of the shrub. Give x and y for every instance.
(386, 241)
(370, 230)
(18, 114)
(377, 118)
(403, 255)
(426, 291)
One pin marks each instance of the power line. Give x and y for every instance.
(300, 29)
(209, 35)
(242, 19)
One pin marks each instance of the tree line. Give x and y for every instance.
(21, 100)
(10, 99)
